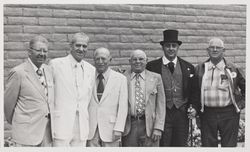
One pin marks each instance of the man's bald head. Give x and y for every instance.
(138, 61)
(102, 59)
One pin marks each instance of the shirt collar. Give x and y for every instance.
(74, 62)
(34, 66)
(105, 74)
(165, 61)
(142, 75)
(220, 66)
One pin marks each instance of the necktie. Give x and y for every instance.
(41, 78)
(213, 67)
(139, 97)
(171, 67)
(100, 87)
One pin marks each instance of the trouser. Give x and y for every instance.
(176, 128)
(224, 120)
(96, 141)
(137, 137)
(75, 141)
(46, 142)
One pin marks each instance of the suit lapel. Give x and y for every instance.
(185, 74)
(111, 81)
(68, 73)
(31, 75)
(128, 75)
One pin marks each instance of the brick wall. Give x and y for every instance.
(123, 28)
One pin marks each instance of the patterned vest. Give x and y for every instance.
(173, 86)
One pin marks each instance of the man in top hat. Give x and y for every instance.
(177, 75)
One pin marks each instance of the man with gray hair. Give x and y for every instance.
(146, 115)
(222, 96)
(109, 103)
(74, 81)
(29, 96)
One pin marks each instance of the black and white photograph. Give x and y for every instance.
(124, 76)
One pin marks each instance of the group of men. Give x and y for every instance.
(69, 102)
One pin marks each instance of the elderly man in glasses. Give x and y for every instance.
(222, 96)
(28, 98)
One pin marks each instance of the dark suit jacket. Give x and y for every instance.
(187, 77)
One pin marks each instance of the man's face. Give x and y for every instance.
(215, 51)
(38, 53)
(79, 48)
(138, 62)
(170, 50)
(102, 61)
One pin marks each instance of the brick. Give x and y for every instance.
(120, 61)
(17, 54)
(153, 38)
(60, 37)
(66, 29)
(105, 38)
(133, 24)
(240, 59)
(95, 45)
(37, 12)
(52, 21)
(6, 39)
(119, 30)
(10, 11)
(148, 9)
(5, 20)
(12, 63)
(143, 31)
(92, 14)
(112, 7)
(96, 30)
(132, 39)
(149, 24)
(57, 53)
(154, 53)
(67, 13)
(165, 17)
(145, 46)
(126, 53)
(143, 17)
(20, 37)
(235, 52)
(14, 45)
(70, 6)
(120, 46)
(13, 28)
(117, 15)
(80, 22)
(38, 29)
(61, 46)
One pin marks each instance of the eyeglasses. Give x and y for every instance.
(138, 59)
(215, 48)
(41, 50)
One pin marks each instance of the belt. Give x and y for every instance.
(141, 117)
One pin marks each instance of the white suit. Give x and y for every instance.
(66, 100)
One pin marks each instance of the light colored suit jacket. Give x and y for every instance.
(25, 104)
(66, 98)
(110, 113)
(155, 102)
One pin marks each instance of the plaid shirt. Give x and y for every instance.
(216, 86)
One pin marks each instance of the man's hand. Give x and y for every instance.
(156, 135)
(117, 135)
(191, 113)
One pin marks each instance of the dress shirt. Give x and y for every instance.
(165, 61)
(216, 86)
(105, 77)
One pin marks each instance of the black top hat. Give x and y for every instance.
(170, 36)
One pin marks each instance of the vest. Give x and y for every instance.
(173, 86)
